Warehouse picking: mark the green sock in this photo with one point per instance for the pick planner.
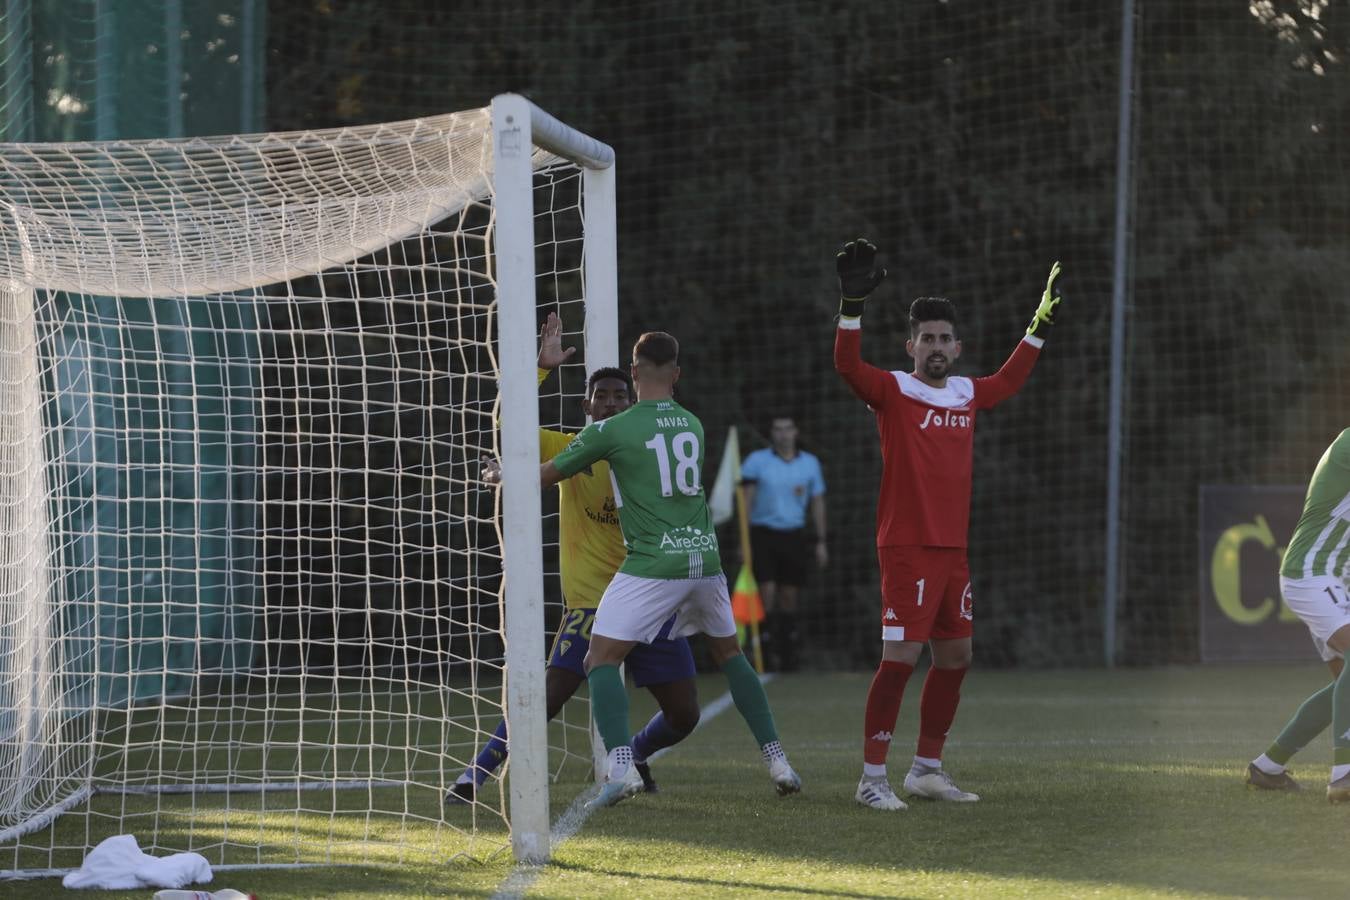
(609, 705)
(751, 701)
(1311, 719)
(1340, 719)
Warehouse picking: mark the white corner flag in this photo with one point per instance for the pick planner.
(722, 500)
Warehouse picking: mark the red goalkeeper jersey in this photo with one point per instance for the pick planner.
(927, 440)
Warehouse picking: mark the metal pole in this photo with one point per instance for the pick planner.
(249, 62)
(600, 214)
(522, 531)
(105, 71)
(1119, 287)
(173, 67)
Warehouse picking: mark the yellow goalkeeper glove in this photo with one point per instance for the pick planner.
(1045, 313)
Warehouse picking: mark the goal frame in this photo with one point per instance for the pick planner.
(517, 126)
(523, 141)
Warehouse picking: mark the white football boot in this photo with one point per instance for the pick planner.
(621, 781)
(785, 780)
(937, 785)
(1338, 791)
(877, 793)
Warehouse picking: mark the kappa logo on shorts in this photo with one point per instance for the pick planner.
(890, 615)
(967, 604)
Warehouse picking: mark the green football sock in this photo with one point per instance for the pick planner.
(609, 705)
(1311, 720)
(751, 701)
(1340, 719)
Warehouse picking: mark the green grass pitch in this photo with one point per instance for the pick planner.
(1095, 783)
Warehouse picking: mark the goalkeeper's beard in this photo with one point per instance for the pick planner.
(937, 366)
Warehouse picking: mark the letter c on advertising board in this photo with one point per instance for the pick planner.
(1226, 575)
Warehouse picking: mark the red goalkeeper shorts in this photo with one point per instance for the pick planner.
(925, 593)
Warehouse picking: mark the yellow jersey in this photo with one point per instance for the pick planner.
(590, 543)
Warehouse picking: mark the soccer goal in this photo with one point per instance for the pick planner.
(256, 601)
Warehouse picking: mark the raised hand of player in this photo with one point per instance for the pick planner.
(551, 352)
(859, 273)
(1045, 313)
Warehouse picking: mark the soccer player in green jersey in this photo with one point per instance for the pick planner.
(1313, 585)
(655, 455)
(592, 550)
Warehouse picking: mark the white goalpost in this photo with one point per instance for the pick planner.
(255, 601)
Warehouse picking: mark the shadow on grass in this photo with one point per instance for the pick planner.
(741, 888)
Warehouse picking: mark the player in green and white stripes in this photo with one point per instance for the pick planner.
(1313, 584)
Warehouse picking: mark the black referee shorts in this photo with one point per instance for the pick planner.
(781, 557)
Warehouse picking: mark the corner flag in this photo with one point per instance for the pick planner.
(722, 500)
(746, 606)
(726, 500)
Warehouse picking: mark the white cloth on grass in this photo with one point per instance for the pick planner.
(118, 864)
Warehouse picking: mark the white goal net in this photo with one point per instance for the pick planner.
(252, 600)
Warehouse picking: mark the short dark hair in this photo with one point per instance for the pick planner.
(608, 372)
(657, 348)
(931, 309)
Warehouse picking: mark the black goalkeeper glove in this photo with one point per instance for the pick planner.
(859, 275)
(1045, 313)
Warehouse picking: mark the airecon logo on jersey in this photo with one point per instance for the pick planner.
(687, 539)
(948, 418)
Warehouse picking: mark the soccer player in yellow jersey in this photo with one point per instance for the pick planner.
(591, 551)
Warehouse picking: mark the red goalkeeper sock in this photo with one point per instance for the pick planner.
(937, 709)
(883, 708)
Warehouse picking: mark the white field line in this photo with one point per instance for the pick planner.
(1034, 743)
(1064, 701)
(523, 876)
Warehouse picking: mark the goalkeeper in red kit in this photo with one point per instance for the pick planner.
(926, 419)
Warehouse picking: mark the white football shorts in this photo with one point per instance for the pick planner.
(634, 609)
(1323, 603)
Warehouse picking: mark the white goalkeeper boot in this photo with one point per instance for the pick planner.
(936, 784)
(877, 793)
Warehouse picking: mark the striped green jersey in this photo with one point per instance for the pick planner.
(1321, 543)
(655, 454)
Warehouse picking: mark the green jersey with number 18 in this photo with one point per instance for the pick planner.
(655, 454)
(1321, 542)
